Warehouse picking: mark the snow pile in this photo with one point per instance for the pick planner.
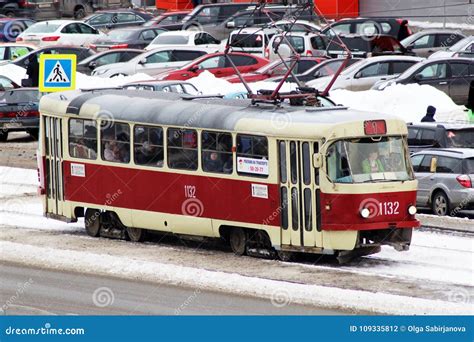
(13, 72)
(408, 102)
(91, 82)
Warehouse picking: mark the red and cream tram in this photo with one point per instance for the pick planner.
(286, 179)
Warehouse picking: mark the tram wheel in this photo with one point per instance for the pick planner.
(136, 234)
(238, 241)
(92, 222)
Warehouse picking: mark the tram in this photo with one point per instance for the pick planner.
(264, 178)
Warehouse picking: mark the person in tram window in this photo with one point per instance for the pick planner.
(213, 163)
(111, 151)
(372, 164)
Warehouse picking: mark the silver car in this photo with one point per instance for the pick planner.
(445, 180)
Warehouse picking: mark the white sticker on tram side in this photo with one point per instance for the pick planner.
(251, 165)
(78, 170)
(260, 191)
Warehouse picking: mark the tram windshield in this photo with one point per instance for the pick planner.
(368, 160)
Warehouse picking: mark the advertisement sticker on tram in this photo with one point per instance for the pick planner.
(251, 165)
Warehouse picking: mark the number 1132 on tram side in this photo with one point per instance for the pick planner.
(264, 178)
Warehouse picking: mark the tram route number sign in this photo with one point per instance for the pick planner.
(57, 72)
(251, 165)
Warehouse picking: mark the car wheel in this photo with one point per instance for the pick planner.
(33, 133)
(10, 14)
(3, 136)
(79, 13)
(440, 204)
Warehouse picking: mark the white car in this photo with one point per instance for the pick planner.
(303, 43)
(186, 38)
(65, 32)
(463, 48)
(252, 40)
(297, 26)
(152, 62)
(365, 73)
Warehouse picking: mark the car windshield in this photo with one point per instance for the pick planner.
(120, 34)
(364, 160)
(470, 165)
(461, 138)
(460, 45)
(247, 40)
(170, 40)
(43, 27)
(270, 66)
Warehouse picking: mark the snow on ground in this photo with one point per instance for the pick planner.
(408, 102)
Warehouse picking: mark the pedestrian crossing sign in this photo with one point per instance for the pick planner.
(57, 72)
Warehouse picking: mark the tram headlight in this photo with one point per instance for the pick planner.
(412, 210)
(365, 213)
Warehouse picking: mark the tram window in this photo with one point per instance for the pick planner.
(82, 139)
(216, 152)
(115, 142)
(283, 173)
(294, 209)
(252, 155)
(308, 213)
(182, 149)
(284, 207)
(148, 146)
(293, 162)
(306, 164)
(316, 169)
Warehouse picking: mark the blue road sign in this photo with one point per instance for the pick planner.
(57, 72)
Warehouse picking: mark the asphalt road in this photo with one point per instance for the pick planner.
(33, 291)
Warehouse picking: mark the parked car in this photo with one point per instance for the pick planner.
(445, 180)
(217, 64)
(105, 58)
(52, 32)
(11, 51)
(297, 26)
(37, 10)
(366, 46)
(463, 48)
(208, 14)
(19, 112)
(112, 19)
(424, 43)
(255, 18)
(7, 84)
(185, 38)
(326, 67)
(252, 40)
(131, 38)
(80, 52)
(166, 86)
(167, 18)
(450, 75)
(397, 28)
(276, 68)
(10, 28)
(425, 135)
(365, 73)
(303, 43)
(80, 8)
(152, 62)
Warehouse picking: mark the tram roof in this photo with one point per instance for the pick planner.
(160, 108)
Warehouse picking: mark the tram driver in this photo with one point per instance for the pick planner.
(372, 163)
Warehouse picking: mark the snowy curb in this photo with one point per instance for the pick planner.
(277, 291)
(446, 223)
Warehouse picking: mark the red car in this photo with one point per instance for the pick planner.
(276, 68)
(218, 64)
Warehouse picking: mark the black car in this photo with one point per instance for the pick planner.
(366, 46)
(396, 28)
(424, 135)
(19, 112)
(132, 38)
(325, 68)
(117, 18)
(80, 52)
(453, 76)
(106, 57)
(208, 14)
(179, 87)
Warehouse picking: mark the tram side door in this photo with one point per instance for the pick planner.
(298, 192)
(54, 165)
